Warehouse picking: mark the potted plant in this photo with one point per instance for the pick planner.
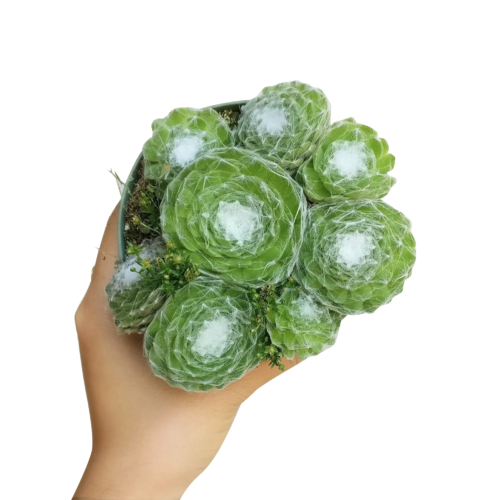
(249, 230)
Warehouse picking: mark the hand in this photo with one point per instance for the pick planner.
(150, 441)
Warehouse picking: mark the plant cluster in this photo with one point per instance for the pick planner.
(272, 230)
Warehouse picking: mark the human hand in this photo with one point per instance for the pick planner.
(149, 440)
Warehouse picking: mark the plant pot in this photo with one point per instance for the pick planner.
(133, 176)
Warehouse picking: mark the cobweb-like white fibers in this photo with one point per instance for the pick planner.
(125, 277)
(349, 159)
(214, 336)
(270, 120)
(353, 249)
(237, 222)
(306, 308)
(186, 149)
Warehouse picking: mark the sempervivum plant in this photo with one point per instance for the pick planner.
(350, 162)
(272, 230)
(356, 255)
(134, 300)
(240, 217)
(300, 325)
(205, 336)
(182, 137)
(285, 122)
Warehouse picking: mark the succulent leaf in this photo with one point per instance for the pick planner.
(351, 162)
(285, 122)
(205, 336)
(356, 255)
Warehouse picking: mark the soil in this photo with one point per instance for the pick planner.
(134, 212)
(231, 117)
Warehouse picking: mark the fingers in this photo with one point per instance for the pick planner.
(108, 253)
(93, 313)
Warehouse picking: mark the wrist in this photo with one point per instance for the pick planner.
(115, 476)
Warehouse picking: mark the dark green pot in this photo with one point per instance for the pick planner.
(132, 179)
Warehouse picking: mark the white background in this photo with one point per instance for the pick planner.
(406, 405)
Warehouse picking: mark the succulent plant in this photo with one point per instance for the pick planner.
(240, 217)
(351, 162)
(205, 336)
(134, 301)
(356, 255)
(182, 137)
(285, 122)
(245, 270)
(300, 325)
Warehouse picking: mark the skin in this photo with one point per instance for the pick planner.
(149, 440)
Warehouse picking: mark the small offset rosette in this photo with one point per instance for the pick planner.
(240, 217)
(356, 255)
(181, 138)
(285, 122)
(350, 162)
(133, 301)
(300, 325)
(205, 337)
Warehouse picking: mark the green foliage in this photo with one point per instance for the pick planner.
(149, 219)
(170, 271)
(350, 162)
(356, 255)
(271, 352)
(181, 138)
(134, 300)
(264, 300)
(240, 217)
(299, 325)
(285, 122)
(141, 284)
(214, 293)
(204, 337)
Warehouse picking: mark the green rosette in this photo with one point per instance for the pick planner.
(350, 162)
(300, 325)
(180, 138)
(285, 122)
(240, 217)
(205, 336)
(356, 255)
(134, 303)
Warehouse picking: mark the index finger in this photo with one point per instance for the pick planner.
(108, 253)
